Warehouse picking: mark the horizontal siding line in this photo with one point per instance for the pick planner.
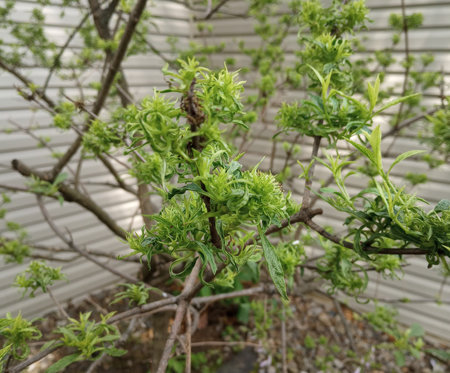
(57, 212)
(294, 32)
(5, 271)
(87, 8)
(25, 69)
(60, 86)
(87, 86)
(395, 53)
(79, 48)
(82, 223)
(223, 16)
(91, 242)
(366, 51)
(89, 275)
(71, 28)
(407, 6)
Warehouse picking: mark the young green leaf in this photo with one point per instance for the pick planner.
(319, 76)
(116, 352)
(192, 187)
(373, 91)
(273, 264)
(63, 363)
(375, 143)
(403, 156)
(366, 152)
(395, 102)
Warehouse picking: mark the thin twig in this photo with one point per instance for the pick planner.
(185, 298)
(122, 339)
(28, 83)
(116, 175)
(283, 340)
(408, 122)
(188, 343)
(72, 195)
(234, 294)
(57, 59)
(71, 244)
(53, 258)
(345, 323)
(408, 64)
(368, 250)
(61, 309)
(107, 82)
(224, 344)
(13, 188)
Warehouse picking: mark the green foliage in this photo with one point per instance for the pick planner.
(273, 264)
(333, 114)
(404, 342)
(63, 118)
(338, 266)
(411, 21)
(4, 352)
(156, 170)
(291, 255)
(206, 362)
(45, 188)
(415, 178)
(236, 199)
(443, 355)
(14, 251)
(212, 206)
(16, 332)
(100, 138)
(389, 212)
(439, 136)
(157, 122)
(90, 339)
(136, 294)
(38, 275)
(384, 58)
(262, 313)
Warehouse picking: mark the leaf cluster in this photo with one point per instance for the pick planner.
(17, 332)
(90, 339)
(215, 194)
(135, 293)
(338, 18)
(404, 342)
(14, 250)
(38, 275)
(388, 211)
(46, 188)
(438, 136)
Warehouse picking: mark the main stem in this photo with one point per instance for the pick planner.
(185, 299)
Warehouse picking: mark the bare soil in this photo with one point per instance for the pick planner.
(316, 340)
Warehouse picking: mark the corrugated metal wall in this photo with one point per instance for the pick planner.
(418, 282)
(143, 74)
